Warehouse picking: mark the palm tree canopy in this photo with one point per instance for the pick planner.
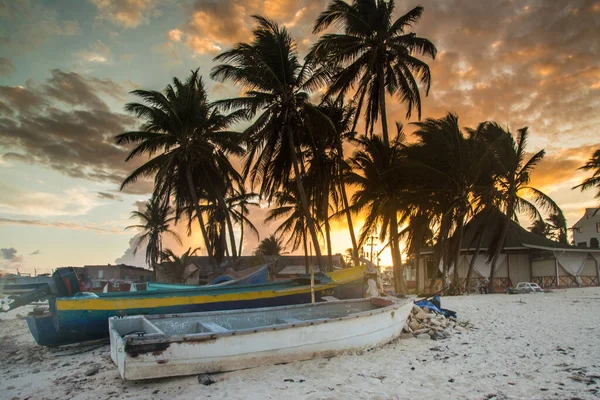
(182, 131)
(593, 164)
(377, 174)
(277, 88)
(155, 221)
(270, 246)
(373, 47)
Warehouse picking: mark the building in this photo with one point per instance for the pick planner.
(586, 231)
(526, 257)
(116, 272)
(281, 267)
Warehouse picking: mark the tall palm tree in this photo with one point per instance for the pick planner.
(155, 221)
(270, 246)
(187, 142)
(277, 89)
(377, 173)
(513, 182)
(593, 181)
(373, 55)
(175, 266)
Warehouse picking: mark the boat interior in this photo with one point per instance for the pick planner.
(236, 320)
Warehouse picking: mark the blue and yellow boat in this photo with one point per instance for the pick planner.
(84, 316)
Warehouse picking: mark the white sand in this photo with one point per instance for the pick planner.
(524, 347)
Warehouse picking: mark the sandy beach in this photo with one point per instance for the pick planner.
(533, 346)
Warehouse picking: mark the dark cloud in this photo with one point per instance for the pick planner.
(35, 253)
(8, 254)
(6, 67)
(66, 125)
(109, 196)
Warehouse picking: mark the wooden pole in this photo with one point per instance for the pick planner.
(312, 279)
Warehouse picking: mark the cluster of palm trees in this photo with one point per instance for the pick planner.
(292, 152)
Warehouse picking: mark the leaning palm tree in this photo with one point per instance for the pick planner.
(277, 89)
(593, 181)
(187, 143)
(270, 246)
(155, 221)
(377, 173)
(513, 182)
(373, 55)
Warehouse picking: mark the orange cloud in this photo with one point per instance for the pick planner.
(126, 13)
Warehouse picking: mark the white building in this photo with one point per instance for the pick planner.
(587, 228)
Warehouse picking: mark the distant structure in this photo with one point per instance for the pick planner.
(116, 272)
(587, 229)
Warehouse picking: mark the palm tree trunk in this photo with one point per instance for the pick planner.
(327, 234)
(396, 257)
(345, 204)
(305, 244)
(241, 235)
(440, 249)
(420, 280)
(304, 200)
(499, 248)
(384, 125)
(472, 263)
(223, 206)
(459, 238)
(209, 248)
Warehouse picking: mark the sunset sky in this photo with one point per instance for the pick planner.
(66, 68)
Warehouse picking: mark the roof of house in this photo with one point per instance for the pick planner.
(487, 226)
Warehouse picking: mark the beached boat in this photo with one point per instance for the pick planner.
(158, 346)
(18, 284)
(84, 316)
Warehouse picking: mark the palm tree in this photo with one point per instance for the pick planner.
(512, 182)
(287, 205)
(154, 222)
(455, 168)
(277, 87)
(593, 181)
(238, 205)
(373, 55)
(187, 143)
(539, 227)
(175, 267)
(377, 173)
(270, 246)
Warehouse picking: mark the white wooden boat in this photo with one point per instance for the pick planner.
(154, 346)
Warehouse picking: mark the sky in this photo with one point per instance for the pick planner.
(67, 67)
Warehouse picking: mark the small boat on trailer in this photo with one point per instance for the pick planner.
(155, 346)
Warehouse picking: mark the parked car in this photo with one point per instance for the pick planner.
(525, 287)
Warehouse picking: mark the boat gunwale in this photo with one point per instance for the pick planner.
(133, 341)
(223, 291)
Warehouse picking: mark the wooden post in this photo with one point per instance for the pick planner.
(556, 268)
(508, 268)
(312, 279)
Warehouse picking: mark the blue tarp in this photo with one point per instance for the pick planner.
(435, 305)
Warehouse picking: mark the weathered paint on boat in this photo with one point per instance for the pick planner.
(85, 316)
(145, 347)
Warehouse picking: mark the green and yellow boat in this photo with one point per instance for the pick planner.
(84, 316)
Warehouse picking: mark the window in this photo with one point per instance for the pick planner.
(598, 227)
(100, 274)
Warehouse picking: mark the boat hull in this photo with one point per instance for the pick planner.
(84, 318)
(196, 354)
